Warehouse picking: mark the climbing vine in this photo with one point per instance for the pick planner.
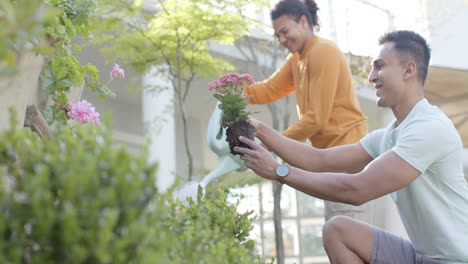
(51, 28)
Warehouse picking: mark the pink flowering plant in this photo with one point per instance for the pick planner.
(116, 72)
(229, 91)
(83, 112)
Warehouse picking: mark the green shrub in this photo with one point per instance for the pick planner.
(78, 199)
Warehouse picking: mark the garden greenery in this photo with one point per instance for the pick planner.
(76, 198)
(51, 28)
(173, 40)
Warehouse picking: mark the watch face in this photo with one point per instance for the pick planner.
(282, 170)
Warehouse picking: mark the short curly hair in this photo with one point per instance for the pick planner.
(297, 9)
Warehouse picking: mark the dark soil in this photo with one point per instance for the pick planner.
(241, 128)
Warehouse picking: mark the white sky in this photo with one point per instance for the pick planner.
(359, 24)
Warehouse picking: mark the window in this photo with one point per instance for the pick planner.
(302, 222)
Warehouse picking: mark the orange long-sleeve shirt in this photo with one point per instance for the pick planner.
(329, 112)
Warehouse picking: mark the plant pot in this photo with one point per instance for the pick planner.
(234, 131)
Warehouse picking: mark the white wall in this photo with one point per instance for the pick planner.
(447, 21)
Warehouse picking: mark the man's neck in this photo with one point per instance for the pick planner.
(402, 110)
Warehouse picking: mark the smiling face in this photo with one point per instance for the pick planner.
(388, 75)
(291, 34)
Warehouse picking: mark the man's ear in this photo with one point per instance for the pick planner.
(410, 69)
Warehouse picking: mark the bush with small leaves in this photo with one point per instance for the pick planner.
(77, 198)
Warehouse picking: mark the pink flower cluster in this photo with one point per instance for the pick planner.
(231, 82)
(117, 71)
(83, 112)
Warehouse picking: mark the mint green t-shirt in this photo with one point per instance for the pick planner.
(434, 207)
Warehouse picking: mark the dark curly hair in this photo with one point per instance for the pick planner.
(297, 9)
(411, 46)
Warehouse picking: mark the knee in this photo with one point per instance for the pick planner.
(334, 229)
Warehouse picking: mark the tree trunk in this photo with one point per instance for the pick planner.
(277, 218)
(186, 139)
(22, 88)
(178, 90)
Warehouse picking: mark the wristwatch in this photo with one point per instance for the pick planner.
(281, 172)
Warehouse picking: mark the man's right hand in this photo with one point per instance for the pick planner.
(258, 159)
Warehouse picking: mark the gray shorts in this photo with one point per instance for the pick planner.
(391, 249)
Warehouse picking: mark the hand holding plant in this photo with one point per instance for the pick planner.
(229, 92)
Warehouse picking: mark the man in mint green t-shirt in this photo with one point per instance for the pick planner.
(417, 159)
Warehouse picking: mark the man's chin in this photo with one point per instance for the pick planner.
(380, 103)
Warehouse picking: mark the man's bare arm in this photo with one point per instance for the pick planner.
(349, 158)
(383, 175)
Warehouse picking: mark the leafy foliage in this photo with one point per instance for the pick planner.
(63, 69)
(175, 33)
(22, 25)
(78, 199)
(49, 28)
(234, 106)
(173, 37)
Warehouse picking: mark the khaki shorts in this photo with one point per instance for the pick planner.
(391, 249)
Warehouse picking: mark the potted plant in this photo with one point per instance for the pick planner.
(228, 90)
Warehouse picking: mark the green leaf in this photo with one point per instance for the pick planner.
(48, 80)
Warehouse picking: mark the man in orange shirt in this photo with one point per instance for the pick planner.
(329, 112)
